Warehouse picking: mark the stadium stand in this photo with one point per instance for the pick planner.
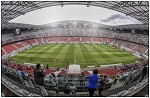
(9, 48)
(138, 38)
(39, 40)
(133, 46)
(121, 36)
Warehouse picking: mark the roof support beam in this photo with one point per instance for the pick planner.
(11, 12)
(129, 4)
(135, 9)
(137, 12)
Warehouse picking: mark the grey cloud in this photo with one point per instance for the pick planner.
(114, 17)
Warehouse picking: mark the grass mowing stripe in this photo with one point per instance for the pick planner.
(69, 58)
(121, 53)
(41, 52)
(36, 56)
(89, 58)
(79, 54)
(39, 49)
(121, 57)
(48, 58)
(110, 55)
(101, 54)
(84, 52)
(62, 53)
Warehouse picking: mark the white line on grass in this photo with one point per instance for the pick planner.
(74, 56)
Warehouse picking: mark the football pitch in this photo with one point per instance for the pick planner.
(59, 55)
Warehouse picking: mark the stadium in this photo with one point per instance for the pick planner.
(69, 51)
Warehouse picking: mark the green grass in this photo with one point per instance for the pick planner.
(57, 55)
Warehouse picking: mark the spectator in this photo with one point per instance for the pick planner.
(102, 85)
(128, 78)
(72, 89)
(56, 89)
(39, 75)
(18, 66)
(92, 84)
(27, 68)
(144, 72)
(116, 78)
(53, 75)
(39, 79)
(32, 79)
(57, 69)
(22, 73)
(56, 80)
(81, 79)
(66, 89)
(47, 66)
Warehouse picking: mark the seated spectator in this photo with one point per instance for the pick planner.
(116, 78)
(72, 89)
(27, 68)
(47, 67)
(56, 89)
(22, 73)
(57, 69)
(54, 79)
(66, 89)
(32, 79)
(129, 78)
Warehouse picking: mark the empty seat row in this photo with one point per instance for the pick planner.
(18, 90)
(130, 90)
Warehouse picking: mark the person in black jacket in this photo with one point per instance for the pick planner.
(39, 75)
(39, 79)
(144, 72)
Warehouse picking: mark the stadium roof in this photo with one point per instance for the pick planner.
(70, 24)
(19, 25)
(131, 26)
(136, 9)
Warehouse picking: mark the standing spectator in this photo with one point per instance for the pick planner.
(102, 85)
(39, 79)
(39, 75)
(81, 79)
(144, 72)
(92, 84)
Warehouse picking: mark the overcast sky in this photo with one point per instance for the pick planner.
(75, 12)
